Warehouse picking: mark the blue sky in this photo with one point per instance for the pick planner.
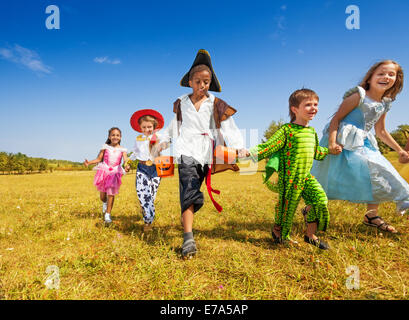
(61, 90)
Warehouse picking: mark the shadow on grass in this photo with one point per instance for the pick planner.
(350, 231)
(232, 230)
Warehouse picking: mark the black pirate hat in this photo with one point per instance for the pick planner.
(203, 57)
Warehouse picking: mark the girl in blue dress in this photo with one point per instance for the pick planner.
(360, 173)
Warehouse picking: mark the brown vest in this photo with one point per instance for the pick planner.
(221, 112)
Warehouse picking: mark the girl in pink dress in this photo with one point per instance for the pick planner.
(109, 171)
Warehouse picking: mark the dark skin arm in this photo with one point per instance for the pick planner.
(97, 160)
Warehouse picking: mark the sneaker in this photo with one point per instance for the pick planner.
(189, 248)
(107, 218)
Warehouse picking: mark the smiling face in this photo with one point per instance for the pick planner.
(147, 127)
(383, 78)
(306, 111)
(200, 83)
(115, 137)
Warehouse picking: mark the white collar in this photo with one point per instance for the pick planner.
(186, 96)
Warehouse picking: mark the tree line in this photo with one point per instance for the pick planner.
(18, 163)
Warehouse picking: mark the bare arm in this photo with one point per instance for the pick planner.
(349, 104)
(125, 156)
(126, 160)
(97, 160)
(169, 133)
(384, 135)
(402, 158)
(386, 138)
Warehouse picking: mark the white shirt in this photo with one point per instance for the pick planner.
(141, 148)
(195, 136)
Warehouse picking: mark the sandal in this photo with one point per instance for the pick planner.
(277, 239)
(383, 226)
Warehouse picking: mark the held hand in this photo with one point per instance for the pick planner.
(86, 163)
(162, 146)
(334, 148)
(403, 157)
(127, 168)
(243, 153)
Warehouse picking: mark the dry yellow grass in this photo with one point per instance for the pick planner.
(55, 219)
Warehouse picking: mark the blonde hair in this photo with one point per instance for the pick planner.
(397, 86)
(148, 118)
(299, 96)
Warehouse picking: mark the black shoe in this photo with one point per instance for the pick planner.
(318, 243)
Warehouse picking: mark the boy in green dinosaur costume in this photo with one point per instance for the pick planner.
(293, 148)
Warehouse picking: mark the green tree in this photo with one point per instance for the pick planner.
(272, 128)
(9, 164)
(43, 165)
(3, 161)
(19, 163)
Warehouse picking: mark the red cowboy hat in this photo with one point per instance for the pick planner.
(146, 112)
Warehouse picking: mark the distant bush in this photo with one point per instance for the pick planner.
(19, 163)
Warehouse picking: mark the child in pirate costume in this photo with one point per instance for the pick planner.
(146, 121)
(294, 147)
(201, 122)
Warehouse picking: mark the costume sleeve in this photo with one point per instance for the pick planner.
(232, 134)
(135, 151)
(320, 152)
(265, 150)
(170, 132)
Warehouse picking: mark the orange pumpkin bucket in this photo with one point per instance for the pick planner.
(225, 155)
(164, 166)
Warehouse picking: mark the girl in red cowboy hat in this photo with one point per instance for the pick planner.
(109, 171)
(146, 121)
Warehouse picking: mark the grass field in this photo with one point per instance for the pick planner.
(55, 219)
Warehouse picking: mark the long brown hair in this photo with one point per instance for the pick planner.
(109, 133)
(397, 86)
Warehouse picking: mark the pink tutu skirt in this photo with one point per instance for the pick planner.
(108, 179)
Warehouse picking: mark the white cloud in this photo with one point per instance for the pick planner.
(280, 22)
(25, 57)
(283, 7)
(106, 60)
(300, 51)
